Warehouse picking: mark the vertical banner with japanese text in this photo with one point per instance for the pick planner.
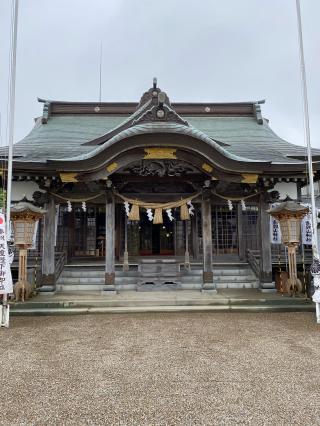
(275, 231)
(5, 271)
(306, 230)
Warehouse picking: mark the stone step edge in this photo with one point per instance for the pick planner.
(111, 303)
(145, 309)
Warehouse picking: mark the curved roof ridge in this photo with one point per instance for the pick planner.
(290, 144)
(158, 127)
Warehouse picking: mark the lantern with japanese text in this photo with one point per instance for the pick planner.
(24, 216)
(289, 214)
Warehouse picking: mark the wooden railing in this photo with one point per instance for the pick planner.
(279, 255)
(60, 261)
(253, 260)
(34, 263)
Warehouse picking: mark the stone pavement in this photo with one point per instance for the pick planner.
(202, 368)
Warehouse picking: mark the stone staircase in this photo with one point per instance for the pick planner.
(236, 275)
(91, 278)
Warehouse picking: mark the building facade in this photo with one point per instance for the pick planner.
(156, 190)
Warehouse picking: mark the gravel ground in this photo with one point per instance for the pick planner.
(161, 369)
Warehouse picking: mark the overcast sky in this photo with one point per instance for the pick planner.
(200, 50)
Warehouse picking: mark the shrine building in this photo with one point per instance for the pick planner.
(156, 194)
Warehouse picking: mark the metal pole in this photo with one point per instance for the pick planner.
(13, 57)
(316, 274)
(11, 110)
(307, 131)
(100, 73)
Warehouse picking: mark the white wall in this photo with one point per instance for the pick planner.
(286, 188)
(306, 190)
(22, 189)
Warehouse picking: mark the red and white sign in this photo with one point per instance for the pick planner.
(5, 271)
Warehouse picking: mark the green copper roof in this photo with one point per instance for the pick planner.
(64, 136)
(247, 138)
(158, 127)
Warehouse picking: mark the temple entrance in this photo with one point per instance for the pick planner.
(156, 239)
(224, 231)
(81, 232)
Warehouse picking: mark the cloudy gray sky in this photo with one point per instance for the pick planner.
(205, 50)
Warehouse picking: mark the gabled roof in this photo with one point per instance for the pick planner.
(71, 130)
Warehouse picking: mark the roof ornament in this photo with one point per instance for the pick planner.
(161, 99)
(155, 81)
(46, 113)
(258, 113)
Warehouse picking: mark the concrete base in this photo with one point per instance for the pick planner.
(268, 287)
(108, 292)
(4, 316)
(179, 301)
(209, 290)
(46, 290)
(159, 287)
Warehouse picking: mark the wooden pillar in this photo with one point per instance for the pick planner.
(118, 232)
(179, 238)
(110, 245)
(125, 253)
(299, 194)
(208, 284)
(241, 241)
(266, 283)
(48, 258)
(186, 253)
(71, 239)
(195, 237)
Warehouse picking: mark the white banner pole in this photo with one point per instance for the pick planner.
(14, 32)
(315, 253)
(6, 285)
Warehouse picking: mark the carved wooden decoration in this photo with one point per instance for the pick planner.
(161, 168)
(160, 114)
